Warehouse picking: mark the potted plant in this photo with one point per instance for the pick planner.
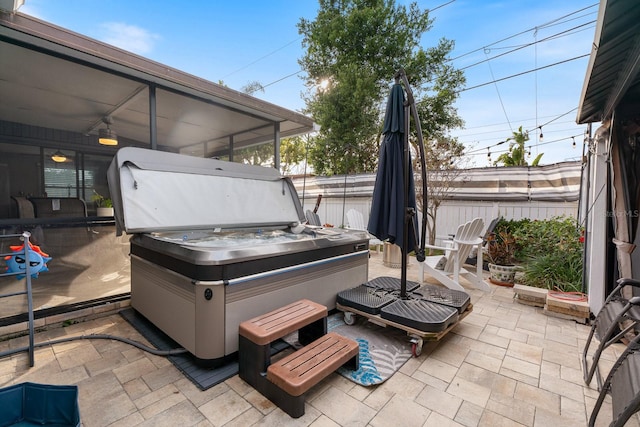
(104, 206)
(501, 251)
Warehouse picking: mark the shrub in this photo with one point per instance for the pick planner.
(501, 248)
(550, 252)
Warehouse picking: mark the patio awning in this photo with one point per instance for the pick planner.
(612, 76)
(53, 78)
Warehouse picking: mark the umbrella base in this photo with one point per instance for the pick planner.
(365, 299)
(390, 284)
(428, 308)
(373, 295)
(450, 297)
(422, 315)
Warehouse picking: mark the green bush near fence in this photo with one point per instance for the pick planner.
(549, 251)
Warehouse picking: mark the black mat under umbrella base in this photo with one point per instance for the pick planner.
(390, 284)
(459, 300)
(364, 298)
(421, 315)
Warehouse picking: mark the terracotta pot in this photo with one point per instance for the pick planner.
(503, 275)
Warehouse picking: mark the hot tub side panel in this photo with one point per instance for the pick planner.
(175, 305)
(317, 281)
(204, 316)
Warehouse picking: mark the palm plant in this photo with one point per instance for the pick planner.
(517, 151)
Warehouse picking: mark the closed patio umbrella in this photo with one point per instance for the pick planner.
(394, 198)
(386, 221)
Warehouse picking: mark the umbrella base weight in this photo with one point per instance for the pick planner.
(421, 315)
(390, 284)
(426, 312)
(373, 295)
(449, 297)
(411, 332)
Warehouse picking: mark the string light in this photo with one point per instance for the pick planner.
(488, 155)
(574, 141)
(528, 151)
(541, 136)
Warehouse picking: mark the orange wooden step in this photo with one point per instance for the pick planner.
(299, 371)
(278, 323)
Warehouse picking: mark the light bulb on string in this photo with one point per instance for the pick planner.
(528, 151)
(488, 155)
(574, 141)
(541, 136)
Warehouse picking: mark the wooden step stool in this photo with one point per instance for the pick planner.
(285, 381)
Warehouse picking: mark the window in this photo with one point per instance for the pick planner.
(60, 178)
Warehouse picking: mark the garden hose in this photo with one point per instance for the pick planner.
(134, 343)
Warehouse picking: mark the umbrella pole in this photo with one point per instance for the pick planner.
(405, 219)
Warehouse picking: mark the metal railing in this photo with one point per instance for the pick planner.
(24, 237)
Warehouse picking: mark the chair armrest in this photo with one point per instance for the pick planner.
(621, 283)
(474, 242)
(628, 281)
(634, 301)
(442, 248)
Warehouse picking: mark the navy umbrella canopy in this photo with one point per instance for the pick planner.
(388, 206)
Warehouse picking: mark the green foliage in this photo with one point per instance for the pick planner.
(101, 201)
(501, 248)
(356, 46)
(292, 151)
(550, 252)
(516, 156)
(555, 271)
(255, 155)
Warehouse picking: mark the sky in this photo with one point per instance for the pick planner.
(525, 61)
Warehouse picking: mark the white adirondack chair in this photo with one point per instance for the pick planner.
(447, 269)
(355, 221)
(313, 218)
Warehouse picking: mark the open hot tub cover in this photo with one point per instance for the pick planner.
(157, 191)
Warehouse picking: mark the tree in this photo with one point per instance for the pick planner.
(255, 155)
(356, 47)
(252, 87)
(444, 155)
(445, 166)
(516, 156)
(292, 151)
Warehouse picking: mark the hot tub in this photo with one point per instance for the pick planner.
(215, 243)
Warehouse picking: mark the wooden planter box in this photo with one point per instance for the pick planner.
(553, 305)
(568, 309)
(529, 295)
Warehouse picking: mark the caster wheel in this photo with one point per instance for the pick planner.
(416, 347)
(349, 318)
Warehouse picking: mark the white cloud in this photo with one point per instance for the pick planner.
(128, 37)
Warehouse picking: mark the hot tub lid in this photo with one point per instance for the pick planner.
(156, 191)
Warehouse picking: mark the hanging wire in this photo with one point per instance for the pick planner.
(529, 29)
(527, 131)
(486, 51)
(535, 81)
